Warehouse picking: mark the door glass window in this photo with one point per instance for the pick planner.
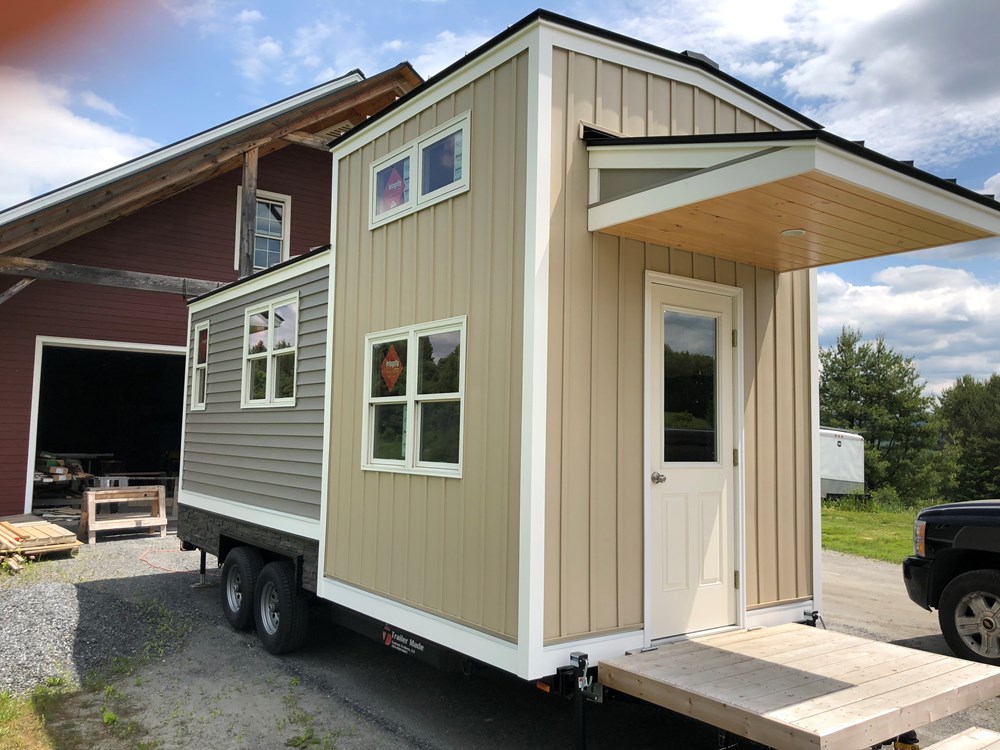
(690, 373)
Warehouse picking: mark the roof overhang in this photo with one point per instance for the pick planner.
(781, 200)
(41, 223)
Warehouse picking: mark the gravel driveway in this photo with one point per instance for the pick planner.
(123, 620)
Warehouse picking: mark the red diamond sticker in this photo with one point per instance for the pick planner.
(392, 368)
(392, 194)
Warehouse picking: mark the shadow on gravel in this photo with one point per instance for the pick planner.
(157, 657)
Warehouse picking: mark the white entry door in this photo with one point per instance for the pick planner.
(691, 483)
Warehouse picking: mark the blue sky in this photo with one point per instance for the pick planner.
(915, 79)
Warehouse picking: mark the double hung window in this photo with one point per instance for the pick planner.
(271, 229)
(415, 379)
(424, 171)
(270, 353)
(199, 371)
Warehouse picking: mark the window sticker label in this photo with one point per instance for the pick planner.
(391, 368)
(392, 193)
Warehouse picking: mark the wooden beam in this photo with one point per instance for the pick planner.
(307, 139)
(27, 235)
(20, 286)
(248, 212)
(147, 282)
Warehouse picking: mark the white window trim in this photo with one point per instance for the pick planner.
(410, 463)
(201, 368)
(286, 224)
(269, 401)
(413, 150)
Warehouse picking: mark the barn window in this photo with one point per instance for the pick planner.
(272, 228)
(270, 353)
(415, 381)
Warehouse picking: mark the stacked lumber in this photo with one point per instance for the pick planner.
(34, 537)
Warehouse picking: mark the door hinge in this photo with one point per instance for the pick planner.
(736, 579)
(735, 339)
(736, 456)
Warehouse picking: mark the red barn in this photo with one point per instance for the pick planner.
(94, 277)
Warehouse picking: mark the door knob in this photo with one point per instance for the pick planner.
(658, 478)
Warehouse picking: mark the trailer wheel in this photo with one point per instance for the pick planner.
(239, 579)
(281, 610)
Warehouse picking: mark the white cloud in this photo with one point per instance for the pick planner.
(249, 16)
(446, 48)
(198, 11)
(916, 79)
(945, 318)
(992, 186)
(95, 102)
(67, 148)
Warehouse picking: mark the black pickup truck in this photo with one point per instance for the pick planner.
(955, 568)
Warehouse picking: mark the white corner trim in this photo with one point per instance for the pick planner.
(269, 518)
(324, 489)
(534, 375)
(817, 517)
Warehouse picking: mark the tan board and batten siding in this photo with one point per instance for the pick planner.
(271, 458)
(594, 456)
(447, 546)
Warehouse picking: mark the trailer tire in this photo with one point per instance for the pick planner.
(239, 581)
(281, 610)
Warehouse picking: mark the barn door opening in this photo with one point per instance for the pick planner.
(113, 413)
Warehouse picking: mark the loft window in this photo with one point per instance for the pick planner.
(415, 380)
(272, 228)
(424, 171)
(199, 372)
(270, 353)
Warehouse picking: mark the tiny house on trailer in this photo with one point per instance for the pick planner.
(552, 388)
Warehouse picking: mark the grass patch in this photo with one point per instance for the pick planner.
(20, 727)
(58, 714)
(885, 535)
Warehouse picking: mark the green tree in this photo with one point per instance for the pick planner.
(970, 413)
(867, 387)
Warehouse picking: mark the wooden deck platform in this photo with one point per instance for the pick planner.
(795, 686)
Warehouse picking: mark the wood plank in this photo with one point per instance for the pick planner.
(973, 738)
(831, 691)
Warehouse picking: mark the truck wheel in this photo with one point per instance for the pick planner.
(281, 610)
(969, 613)
(239, 579)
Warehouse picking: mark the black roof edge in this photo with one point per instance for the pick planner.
(598, 139)
(571, 23)
(313, 251)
